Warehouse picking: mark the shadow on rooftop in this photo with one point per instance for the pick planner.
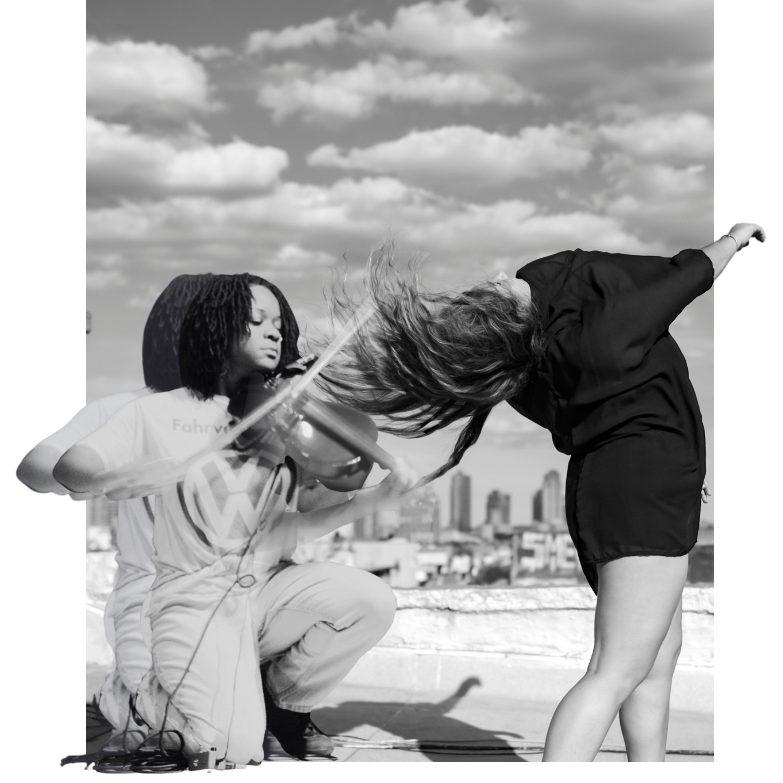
(425, 727)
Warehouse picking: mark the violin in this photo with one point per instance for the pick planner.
(332, 441)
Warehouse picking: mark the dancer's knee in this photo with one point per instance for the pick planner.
(668, 656)
(620, 678)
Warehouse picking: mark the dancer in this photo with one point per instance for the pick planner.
(226, 596)
(123, 617)
(579, 343)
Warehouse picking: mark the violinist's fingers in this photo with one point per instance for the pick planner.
(402, 475)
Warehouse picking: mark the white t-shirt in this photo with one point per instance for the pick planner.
(135, 515)
(223, 501)
(90, 417)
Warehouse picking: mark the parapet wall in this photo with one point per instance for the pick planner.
(554, 622)
(535, 640)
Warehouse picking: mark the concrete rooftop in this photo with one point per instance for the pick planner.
(474, 675)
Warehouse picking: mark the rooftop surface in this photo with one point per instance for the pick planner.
(406, 720)
(399, 725)
(475, 675)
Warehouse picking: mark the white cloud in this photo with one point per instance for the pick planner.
(467, 155)
(447, 29)
(652, 183)
(661, 86)
(346, 208)
(480, 233)
(121, 162)
(317, 93)
(682, 136)
(352, 216)
(430, 30)
(295, 261)
(211, 53)
(324, 32)
(145, 79)
(673, 204)
(99, 279)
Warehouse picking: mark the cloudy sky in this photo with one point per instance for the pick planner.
(285, 138)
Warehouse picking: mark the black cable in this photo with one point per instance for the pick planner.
(150, 756)
(478, 747)
(241, 582)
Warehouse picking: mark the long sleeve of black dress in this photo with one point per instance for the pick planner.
(610, 365)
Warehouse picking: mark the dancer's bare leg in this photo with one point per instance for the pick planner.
(637, 600)
(644, 716)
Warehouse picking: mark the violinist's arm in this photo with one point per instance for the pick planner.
(35, 470)
(320, 521)
(79, 470)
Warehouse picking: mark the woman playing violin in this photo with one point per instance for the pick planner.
(227, 597)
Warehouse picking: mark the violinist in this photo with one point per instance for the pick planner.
(123, 618)
(227, 600)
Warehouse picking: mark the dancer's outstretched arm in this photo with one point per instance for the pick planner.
(722, 250)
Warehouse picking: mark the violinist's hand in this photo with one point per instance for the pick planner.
(320, 521)
(399, 480)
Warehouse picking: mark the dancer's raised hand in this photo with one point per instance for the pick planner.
(742, 233)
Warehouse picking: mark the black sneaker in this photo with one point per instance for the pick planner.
(294, 734)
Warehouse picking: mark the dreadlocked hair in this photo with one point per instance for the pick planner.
(160, 341)
(424, 360)
(217, 321)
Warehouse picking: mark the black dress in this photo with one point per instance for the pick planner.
(613, 389)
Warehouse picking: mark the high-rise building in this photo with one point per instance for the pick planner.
(419, 514)
(498, 509)
(366, 528)
(377, 525)
(538, 511)
(460, 502)
(552, 499)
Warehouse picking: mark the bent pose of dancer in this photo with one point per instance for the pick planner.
(226, 596)
(123, 619)
(579, 343)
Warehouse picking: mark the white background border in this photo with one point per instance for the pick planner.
(44, 370)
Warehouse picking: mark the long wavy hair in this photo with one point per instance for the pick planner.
(160, 341)
(425, 360)
(217, 320)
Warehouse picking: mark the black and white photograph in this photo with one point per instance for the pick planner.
(403, 390)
